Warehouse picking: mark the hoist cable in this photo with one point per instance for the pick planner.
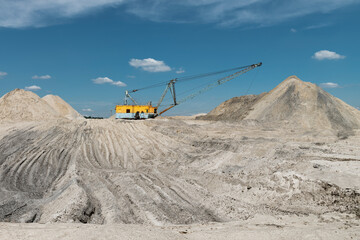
(191, 77)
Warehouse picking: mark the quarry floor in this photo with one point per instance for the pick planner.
(177, 179)
(261, 227)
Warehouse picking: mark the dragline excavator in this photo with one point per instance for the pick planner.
(137, 111)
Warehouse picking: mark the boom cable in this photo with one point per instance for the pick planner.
(170, 85)
(191, 77)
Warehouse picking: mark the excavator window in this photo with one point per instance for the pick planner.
(155, 110)
(127, 110)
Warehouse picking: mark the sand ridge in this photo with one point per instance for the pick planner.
(62, 107)
(305, 105)
(294, 104)
(181, 171)
(21, 105)
(170, 172)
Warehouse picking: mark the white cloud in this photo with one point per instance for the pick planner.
(39, 13)
(87, 110)
(131, 76)
(41, 77)
(329, 85)
(102, 80)
(180, 70)
(327, 55)
(311, 27)
(232, 13)
(119, 84)
(316, 26)
(149, 65)
(33, 88)
(3, 74)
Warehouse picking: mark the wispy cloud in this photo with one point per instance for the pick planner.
(150, 65)
(103, 80)
(131, 76)
(311, 27)
(41, 77)
(329, 85)
(87, 110)
(317, 26)
(3, 74)
(38, 13)
(33, 88)
(327, 55)
(180, 70)
(119, 84)
(232, 13)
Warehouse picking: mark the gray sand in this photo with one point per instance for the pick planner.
(173, 178)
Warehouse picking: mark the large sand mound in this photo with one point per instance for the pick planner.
(234, 109)
(62, 107)
(21, 105)
(169, 172)
(305, 105)
(294, 103)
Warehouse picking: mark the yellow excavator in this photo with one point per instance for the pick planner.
(137, 111)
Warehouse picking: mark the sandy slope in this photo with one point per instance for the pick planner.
(234, 109)
(305, 105)
(261, 227)
(62, 107)
(293, 104)
(216, 179)
(21, 105)
(172, 172)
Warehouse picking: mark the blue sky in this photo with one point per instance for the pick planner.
(90, 52)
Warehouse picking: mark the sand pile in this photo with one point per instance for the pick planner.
(305, 105)
(234, 109)
(62, 107)
(294, 103)
(21, 105)
(170, 172)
